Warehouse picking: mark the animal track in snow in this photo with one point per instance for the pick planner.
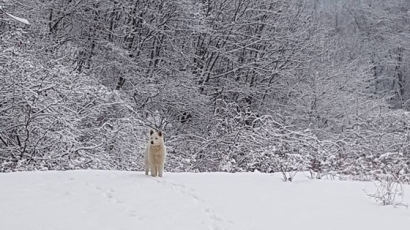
(109, 194)
(216, 221)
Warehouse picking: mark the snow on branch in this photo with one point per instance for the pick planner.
(22, 20)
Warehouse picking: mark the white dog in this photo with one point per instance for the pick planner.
(155, 154)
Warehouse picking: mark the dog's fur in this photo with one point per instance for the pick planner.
(155, 154)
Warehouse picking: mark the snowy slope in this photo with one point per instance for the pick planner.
(113, 200)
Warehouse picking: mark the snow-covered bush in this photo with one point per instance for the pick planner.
(389, 191)
(54, 118)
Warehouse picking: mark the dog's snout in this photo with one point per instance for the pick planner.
(152, 142)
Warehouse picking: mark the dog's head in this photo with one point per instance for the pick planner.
(156, 138)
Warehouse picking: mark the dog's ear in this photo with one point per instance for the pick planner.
(160, 133)
(151, 132)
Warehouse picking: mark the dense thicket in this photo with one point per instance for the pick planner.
(236, 85)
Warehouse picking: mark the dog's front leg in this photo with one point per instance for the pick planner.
(146, 161)
(154, 170)
(147, 166)
(160, 170)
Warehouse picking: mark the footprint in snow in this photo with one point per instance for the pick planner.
(216, 221)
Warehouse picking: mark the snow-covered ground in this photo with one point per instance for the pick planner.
(113, 200)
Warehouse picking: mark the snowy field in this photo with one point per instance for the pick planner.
(113, 200)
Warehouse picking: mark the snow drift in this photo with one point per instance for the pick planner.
(75, 200)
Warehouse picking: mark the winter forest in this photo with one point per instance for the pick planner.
(235, 85)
